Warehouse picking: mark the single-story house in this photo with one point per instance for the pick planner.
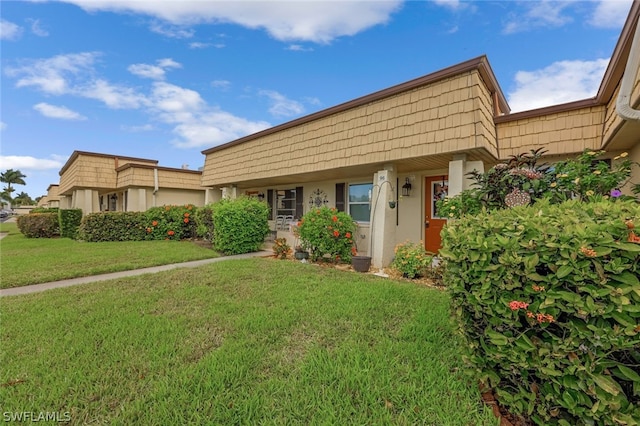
(52, 199)
(97, 182)
(414, 142)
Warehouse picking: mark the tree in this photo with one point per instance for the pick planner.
(12, 177)
(23, 199)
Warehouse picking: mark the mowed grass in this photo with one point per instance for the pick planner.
(25, 261)
(257, 341)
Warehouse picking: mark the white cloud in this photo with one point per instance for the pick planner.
(610, 13)
(194, 121)
(199, 45)
(9, 30)
(316, 21)
(60, 112)
(37, 29)
(281, 106)
(545, 13)
(560, 82)
(299, 48)
(136, 129)
(51, 75)
(154, 72)
(221, 84)
(171, 31)
(215, 128)
(3, 125)
(114, 96)
(23, 162)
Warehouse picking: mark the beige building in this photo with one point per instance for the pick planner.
(414, 142)
(101, 182)
(52, 199)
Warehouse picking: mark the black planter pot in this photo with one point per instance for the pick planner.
(361, 263)
(299, 255)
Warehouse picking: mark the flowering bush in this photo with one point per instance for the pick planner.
(411, 259)
(281, 248)
(467, 202)
(328, 233)
(547, 298)
(521, 181)
(170, 222)
(586, 177)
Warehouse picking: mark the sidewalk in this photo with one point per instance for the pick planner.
(152, 270)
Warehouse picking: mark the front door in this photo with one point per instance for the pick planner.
(436, 188)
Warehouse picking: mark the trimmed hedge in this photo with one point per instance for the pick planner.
(113, 226)
(70, 220)
(204, 222)
(548, 298)
(39, 225)
(240, 225)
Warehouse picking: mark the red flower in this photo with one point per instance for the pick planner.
(515, 305)
(336, 233)
(170, 232)
(148, 229)
(187, 214)
(154, 223)
(334, 218)
(348, 235)
(186, 220)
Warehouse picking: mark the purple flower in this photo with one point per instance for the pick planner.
(615, 193)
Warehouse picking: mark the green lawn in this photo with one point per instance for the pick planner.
(256, 341)
(25, 261)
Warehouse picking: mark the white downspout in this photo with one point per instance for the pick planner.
(623, 102)
(155, 186)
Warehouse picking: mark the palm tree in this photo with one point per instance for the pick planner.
(12, 177)
(23, 199)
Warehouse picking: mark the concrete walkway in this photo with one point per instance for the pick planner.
(152, 270)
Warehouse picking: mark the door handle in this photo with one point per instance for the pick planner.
(426, 223)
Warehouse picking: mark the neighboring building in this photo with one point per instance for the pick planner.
(421, 138)
(52, 199)
(101, 182)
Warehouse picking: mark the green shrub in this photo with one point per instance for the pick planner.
(39, 225)
(411, 259)
(548, 298)
(70, 220)
(113, 226)
(328, 233)
(170, 222)
(240, 225)
(204, 222)
(44, 210)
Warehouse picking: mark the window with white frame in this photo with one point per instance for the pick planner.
(359, 206)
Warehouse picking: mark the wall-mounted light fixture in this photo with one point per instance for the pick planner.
(406, 188)
(261, 196)
(114, 197)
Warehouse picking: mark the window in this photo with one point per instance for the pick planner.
(359, 207)
(285, 202)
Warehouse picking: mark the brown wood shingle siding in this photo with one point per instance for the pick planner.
(433, 119)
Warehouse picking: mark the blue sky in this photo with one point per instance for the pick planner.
(165, 80)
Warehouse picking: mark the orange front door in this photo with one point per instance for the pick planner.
(436, 188)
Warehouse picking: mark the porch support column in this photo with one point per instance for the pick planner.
(383, 218)
(456, 174)
(211, 195)
(230, 192)
(458, 169)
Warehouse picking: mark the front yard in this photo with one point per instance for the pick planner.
(256, 341)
